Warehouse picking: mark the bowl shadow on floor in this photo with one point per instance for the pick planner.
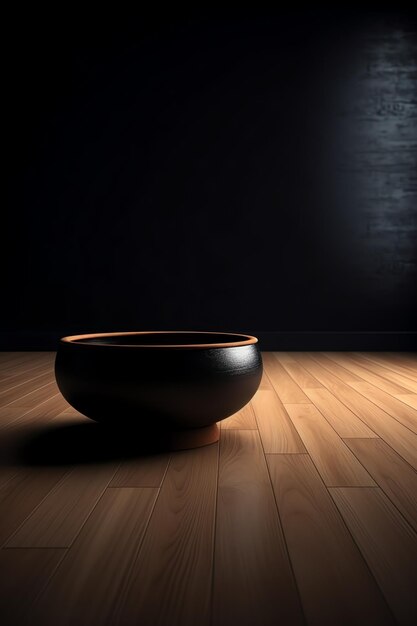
(84, 442)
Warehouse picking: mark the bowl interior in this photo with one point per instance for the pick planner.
(186, 339)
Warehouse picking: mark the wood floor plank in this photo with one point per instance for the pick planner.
(333, 459)
(393, 362)
(12, 417)
(388, 544)
(7, 473)
(265, 382)
(342, 419)
(9, 357)
(323, 358)
(88, 584)
(253, 581)
(23, 575)
(407, 361)
(395, 434)
(395, 477)
(297, 372)
(22, 356)
(170, 582)
(243, 419)
(389, 371)
(365, 374)
(207, 565)
(410, 399)
(335, 584)
(21, 364)
(10, 414)
(277, 432)
(144, 471)
(70, 411)
(36, 396)
(284, 385)
(58, 519)
(13, 382)
(394, 407)
(23, 493)
(17, 396)
(24, 441)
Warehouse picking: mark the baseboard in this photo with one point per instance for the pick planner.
(269, 340)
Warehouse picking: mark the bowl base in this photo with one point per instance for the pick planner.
(193, 437)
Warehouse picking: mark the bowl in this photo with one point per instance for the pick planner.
(177, 384)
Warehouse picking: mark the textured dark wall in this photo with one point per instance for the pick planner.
(253, 172)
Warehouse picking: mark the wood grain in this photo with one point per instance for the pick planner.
(8, 360)
(395, 477)
(265, 382)
(410, 399)
(334, 582)
(58, 519)
(14, 364)
(23, 378)
(243, 419)
(333, 459)
(7, 473)
(389, 371)
(406, 415)
(395, 434)
(284, 385)
(407, 360)
(36, 396)
(253, 581)
(190, 538)
(170, 582)
(277, 432)
(23, 575)
(23, 493)
(87, 586)
(18, 395)
(144, 471)
(342, 419)
(14, 418)
(334, 368)
(297, 372)
(381, 382)
(393, 362)
(388, 544)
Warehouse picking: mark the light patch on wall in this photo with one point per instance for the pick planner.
(380, 157)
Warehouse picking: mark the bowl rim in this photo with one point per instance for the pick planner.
(80, 339)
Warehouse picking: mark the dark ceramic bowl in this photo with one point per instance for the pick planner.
(165, 380)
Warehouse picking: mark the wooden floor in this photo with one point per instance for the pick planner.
(304, 513)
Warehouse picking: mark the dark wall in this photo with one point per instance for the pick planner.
(245, 172)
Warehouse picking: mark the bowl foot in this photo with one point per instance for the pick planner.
(193, 437)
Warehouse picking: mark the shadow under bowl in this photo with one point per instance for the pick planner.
(184, 382)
